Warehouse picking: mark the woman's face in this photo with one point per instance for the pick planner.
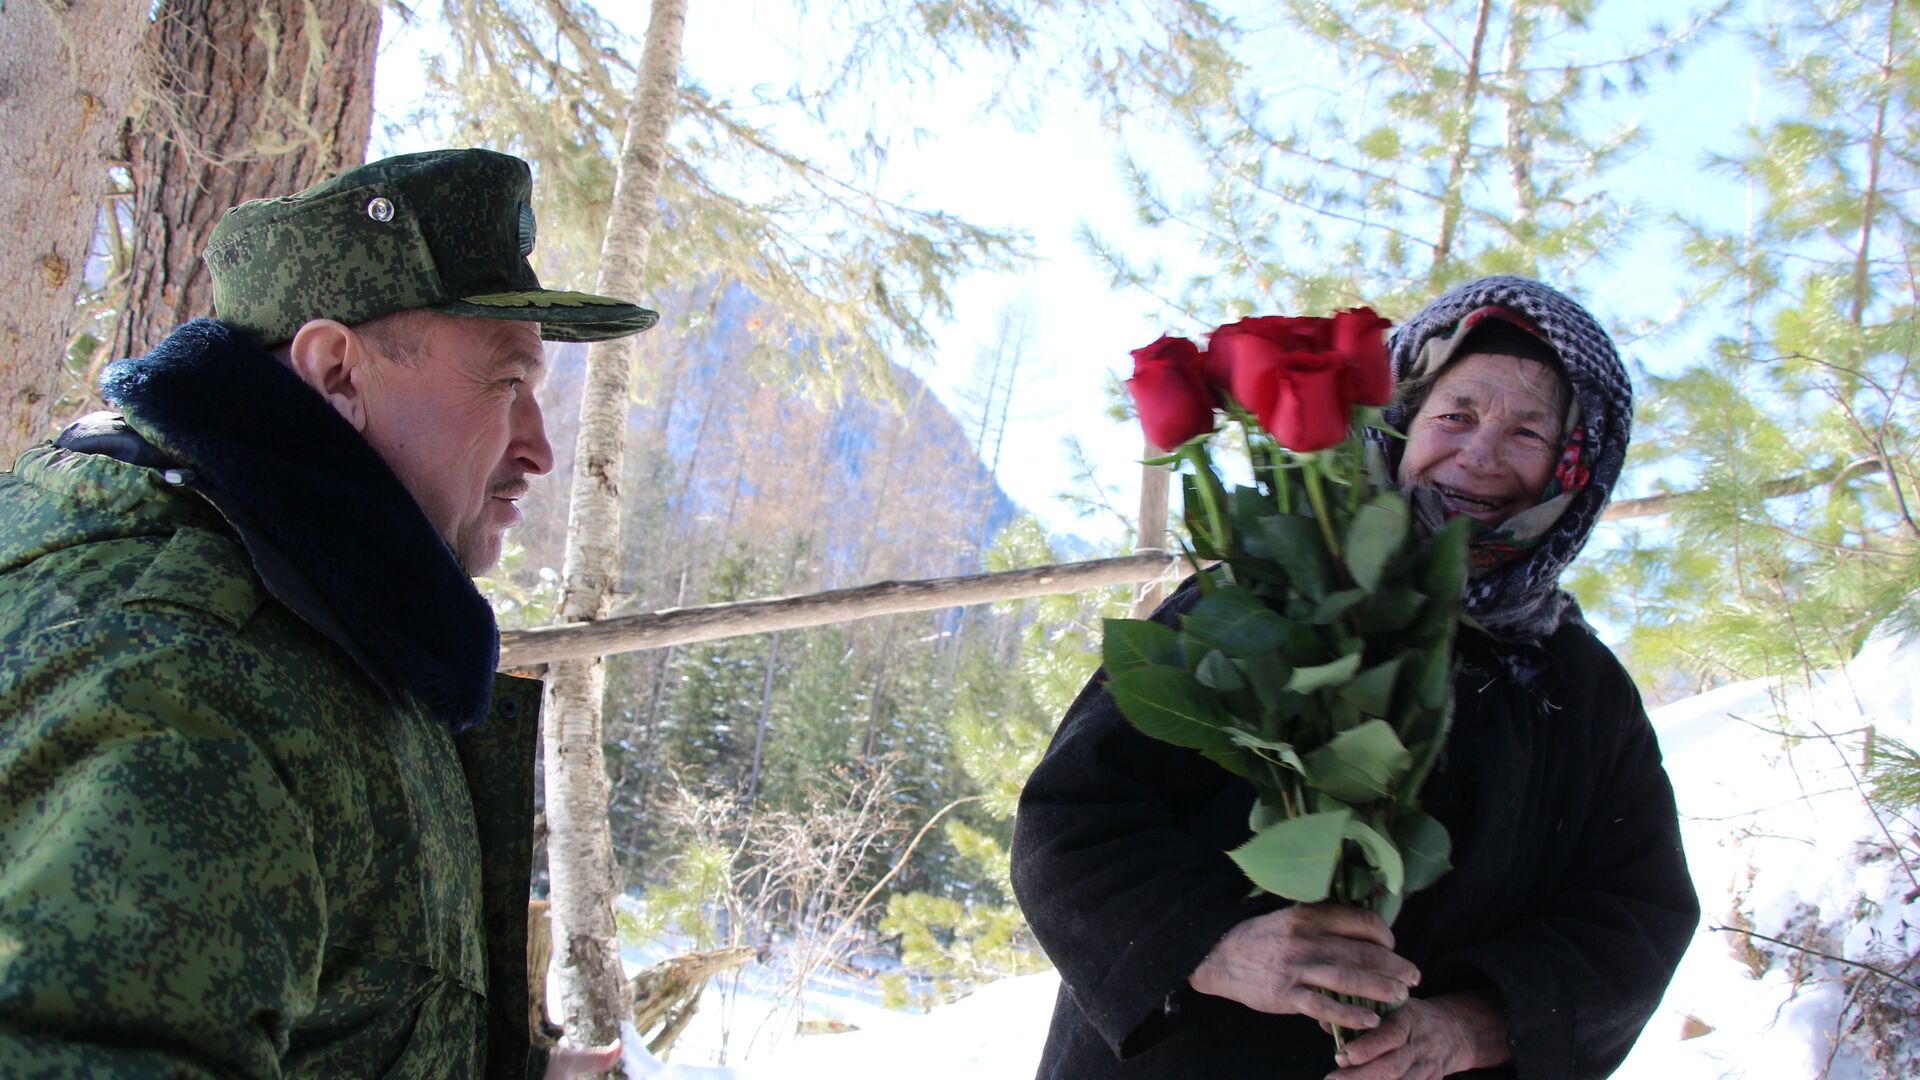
(1487, 437)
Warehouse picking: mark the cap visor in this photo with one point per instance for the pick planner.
(563, 316)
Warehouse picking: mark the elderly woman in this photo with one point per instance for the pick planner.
(1547, 947)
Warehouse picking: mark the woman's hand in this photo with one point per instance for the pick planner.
(1280, 963)
(1425, 1040)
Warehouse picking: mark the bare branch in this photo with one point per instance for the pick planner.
(708, 622)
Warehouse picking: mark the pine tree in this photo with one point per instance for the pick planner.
(1000, 717)
(1796, 438)
(1381, 150)
(239, 99)
(65, 89)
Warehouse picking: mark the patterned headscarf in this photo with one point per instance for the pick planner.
(1517, 597)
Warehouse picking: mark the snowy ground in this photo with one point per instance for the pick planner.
(1777, 838)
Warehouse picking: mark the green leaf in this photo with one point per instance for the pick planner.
(1376, 533)
(1265, 815)
(1371, 691)
(1445, 571)
(1387, 906)
(1236, 622)
(1168, 704)
(1382, 855)
(1234, 761)
(1391, 610)
(1248, 507)
(1337, 604)
(1425, 847)
(1295, 543)
(1267, 673)
(1132, 643)
(1296, 857)
(1435, 680)
(1360, 765)
(1308, 679)
(1218, 672)
(1274, 747)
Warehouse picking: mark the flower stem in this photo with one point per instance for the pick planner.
(1206, 482)
(1318, 498)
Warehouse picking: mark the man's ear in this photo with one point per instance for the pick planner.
(330, 357)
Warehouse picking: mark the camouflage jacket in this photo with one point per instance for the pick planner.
(235, 838)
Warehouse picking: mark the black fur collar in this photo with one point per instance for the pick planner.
(332, 531)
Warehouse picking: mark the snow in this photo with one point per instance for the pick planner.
(1783, 837)
(1776, 834)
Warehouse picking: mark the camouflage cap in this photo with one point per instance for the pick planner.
(446, 230)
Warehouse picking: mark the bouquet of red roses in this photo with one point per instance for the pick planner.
(1317, 663)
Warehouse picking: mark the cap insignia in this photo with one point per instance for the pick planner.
(527, 230)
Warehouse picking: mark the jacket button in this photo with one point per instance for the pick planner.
(509, 708)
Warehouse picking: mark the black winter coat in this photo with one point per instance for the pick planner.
(1569, 894)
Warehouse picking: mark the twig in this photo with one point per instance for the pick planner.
(1882, 972)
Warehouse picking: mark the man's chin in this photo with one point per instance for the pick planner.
(478, 557)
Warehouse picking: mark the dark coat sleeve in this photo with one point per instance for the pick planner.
(1581, 979)
(1125, 898)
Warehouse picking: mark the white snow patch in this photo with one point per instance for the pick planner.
(1778, 832)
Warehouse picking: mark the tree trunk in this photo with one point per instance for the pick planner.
(250, 98)
(593, 993)
(1454, 198)
(66, 79)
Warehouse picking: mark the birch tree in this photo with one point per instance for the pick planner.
(65, 86)
(594, 997)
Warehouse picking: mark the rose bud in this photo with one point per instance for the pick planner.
(1360, 336)
(1170, 391)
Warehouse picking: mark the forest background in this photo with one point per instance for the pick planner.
(902, 251)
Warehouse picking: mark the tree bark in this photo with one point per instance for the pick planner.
(65, 85)
(249, 99)
(594, 996)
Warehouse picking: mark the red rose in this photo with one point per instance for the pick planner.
(1301, 377)
(1294, 394)
(1171, 392)
(1360, 336)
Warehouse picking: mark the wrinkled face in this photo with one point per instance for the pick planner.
(457, 420)
(1487, 437)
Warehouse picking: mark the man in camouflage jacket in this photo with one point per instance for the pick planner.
(265, 810)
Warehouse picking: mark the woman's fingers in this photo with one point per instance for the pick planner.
(1353, 982)
(1375, 962)
(1345, 921)
(1317, 1006)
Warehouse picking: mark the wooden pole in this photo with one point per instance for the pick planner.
(682, 626)
(1152, 531)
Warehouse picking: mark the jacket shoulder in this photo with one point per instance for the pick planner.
(203, 571)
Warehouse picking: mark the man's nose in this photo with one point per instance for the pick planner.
(530, 435)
